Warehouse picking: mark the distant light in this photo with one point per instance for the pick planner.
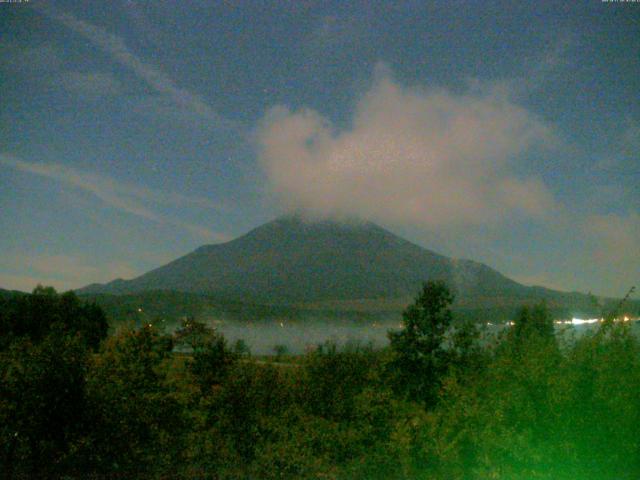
(139, 310)
(579, 321)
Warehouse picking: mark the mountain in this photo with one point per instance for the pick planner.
(290, 261)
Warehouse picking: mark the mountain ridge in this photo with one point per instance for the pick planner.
(291, 261)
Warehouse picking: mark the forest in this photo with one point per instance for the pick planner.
(444, 400)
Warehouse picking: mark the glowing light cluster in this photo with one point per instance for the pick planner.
(575, 321)
(579, 321)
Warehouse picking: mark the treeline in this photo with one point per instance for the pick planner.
(441, 402)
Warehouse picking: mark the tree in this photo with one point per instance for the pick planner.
(420, 355)
(44, 352)
(333, 379)
(210, 356)
(137, 418)
(34, 316)
(241, 349)
(280, 351)
(534, 322)
(42, 404)
(466, 354)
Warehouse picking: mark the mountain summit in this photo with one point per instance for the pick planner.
(293, 261)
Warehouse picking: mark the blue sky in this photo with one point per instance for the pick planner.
(136, 131)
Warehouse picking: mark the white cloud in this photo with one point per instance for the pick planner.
(421, 156)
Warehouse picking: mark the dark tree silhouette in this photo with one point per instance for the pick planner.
(533, 321)
(420, 357)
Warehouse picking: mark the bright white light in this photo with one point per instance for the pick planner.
(579, 321)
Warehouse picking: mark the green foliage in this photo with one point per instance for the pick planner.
(137, 420)
(238, 408)
(44, 353)
(280, 351)
(421, 358)
(460, 406)
(535, 413)
(334, 378)
(211, 358)
(534, 321)
(34, 316)
(466, 355)
(241, 349)
(42, 404)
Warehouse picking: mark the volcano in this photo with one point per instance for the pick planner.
(292, 261)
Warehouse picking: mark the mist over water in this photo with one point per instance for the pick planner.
(301, 336)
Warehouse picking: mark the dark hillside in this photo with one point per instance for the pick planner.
(329, 265)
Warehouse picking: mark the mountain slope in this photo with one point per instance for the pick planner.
(291, 261)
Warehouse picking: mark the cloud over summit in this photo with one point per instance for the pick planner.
(422, 156)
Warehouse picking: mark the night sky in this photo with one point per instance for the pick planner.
(132, 132)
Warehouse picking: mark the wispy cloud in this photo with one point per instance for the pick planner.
(89, 84)
(44, 64)
(116, 48)
(129, 198)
